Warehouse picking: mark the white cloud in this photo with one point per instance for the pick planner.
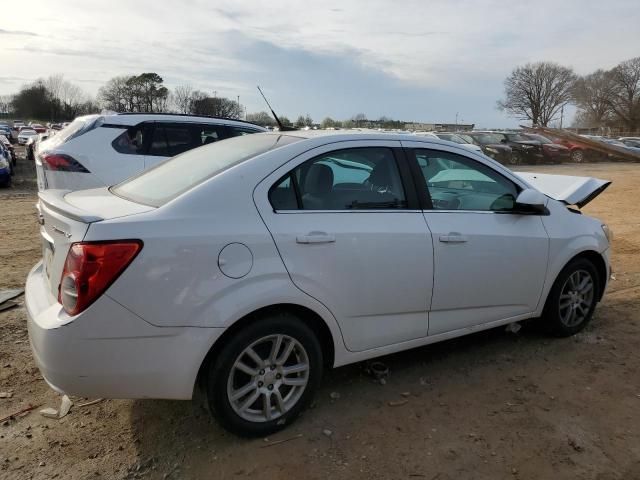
(443, 45)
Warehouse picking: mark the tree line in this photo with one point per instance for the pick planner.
(57, 99)
(538, 92)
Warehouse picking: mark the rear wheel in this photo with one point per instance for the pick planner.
(577, 156)
(264, 376)
(516, 158)
(573, 298)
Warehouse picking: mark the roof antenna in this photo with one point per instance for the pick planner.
(281, 127)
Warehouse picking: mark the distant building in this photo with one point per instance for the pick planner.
(440, 127)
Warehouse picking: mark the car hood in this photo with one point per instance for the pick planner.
(498, 146)
(566, 188)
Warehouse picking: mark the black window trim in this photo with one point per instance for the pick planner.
(407, 179)
(423, 190)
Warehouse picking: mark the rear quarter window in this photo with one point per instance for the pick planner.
(169, 179)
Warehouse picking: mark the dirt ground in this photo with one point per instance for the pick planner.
(494, 405)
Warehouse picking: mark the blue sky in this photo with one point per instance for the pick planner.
(411, 60)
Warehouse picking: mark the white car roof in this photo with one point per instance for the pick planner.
(130, 119)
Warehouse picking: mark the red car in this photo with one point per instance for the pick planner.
(552, 151)
(38, 128)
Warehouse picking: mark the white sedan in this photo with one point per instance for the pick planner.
(246, 266)
(25, 134)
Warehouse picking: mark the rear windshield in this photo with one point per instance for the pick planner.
(76, 128)
(181, 173)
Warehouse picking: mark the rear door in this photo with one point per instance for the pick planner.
(490, 262)
(347, 225)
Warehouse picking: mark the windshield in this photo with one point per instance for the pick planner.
(75, 128)
(516, 137)
(539, 138)
(452, 137)
(617, 143)
(487, 138)
(181, 173)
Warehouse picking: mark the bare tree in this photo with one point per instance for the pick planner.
(359, 119)
(592, 94)
(625, 94)
(203, 104)
(261, 118)
(537, 91)
(182, 98)
(328, 122)
(114, 95)
(5, 103)
(54, 84)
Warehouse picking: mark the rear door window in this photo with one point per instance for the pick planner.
(132, 140)
(208, 133)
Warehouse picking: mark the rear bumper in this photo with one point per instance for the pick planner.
(109, 352)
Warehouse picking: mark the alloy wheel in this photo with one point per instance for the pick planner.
(576, 298)
(268, 378)
(577, 156)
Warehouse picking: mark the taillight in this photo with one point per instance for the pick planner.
(61, 163)
(90, 268)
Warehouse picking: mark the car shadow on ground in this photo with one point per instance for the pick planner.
(173, 436)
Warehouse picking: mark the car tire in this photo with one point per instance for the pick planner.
(572, 299)
(516, 158)
(577, 156)
(238, 386)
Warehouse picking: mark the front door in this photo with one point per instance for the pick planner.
(351, 236)
(489, 263)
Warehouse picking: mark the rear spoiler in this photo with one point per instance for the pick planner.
(54, 200)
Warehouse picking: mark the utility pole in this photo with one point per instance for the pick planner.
(456, 121)
(561, 115)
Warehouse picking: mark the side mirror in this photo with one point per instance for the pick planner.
(504, 140)
(531, 201)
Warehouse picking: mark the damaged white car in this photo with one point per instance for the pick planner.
(246, 266)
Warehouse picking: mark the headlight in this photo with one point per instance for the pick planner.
(492, 150)
(607, 232)
(4, 163)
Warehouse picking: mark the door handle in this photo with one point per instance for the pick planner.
(316, 237)
(454, 237)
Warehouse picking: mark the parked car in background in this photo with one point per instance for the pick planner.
(18, 123)
(38, 128)
(33, 143)
(5, 130)
(56, 126)
(630, 141)
(455, 138)
(552, 152)
(99, 150)
(619, 144)
(524, 150)
(246, 266)
(7, 143)
(6, 166)
(491, 146)
(25, 134)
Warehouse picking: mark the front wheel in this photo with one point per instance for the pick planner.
(577, 156)
(264, 375)
(572, 299)
(516, 158)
